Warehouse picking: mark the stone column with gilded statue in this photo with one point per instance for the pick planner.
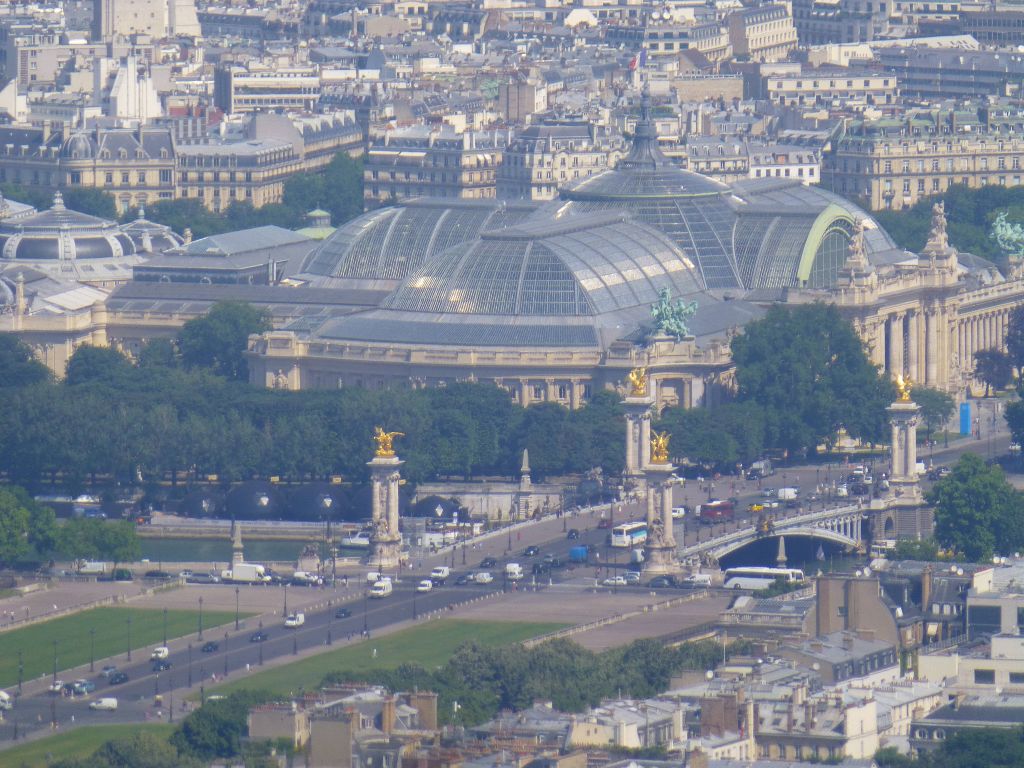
(905, 497)
(638, 405)
(386, 539)
(660, 552)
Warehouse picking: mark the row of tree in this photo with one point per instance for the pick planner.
(29, 532)
(337, 188)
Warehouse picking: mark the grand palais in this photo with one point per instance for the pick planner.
(550, 301)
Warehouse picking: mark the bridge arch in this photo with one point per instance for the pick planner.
(807, 531)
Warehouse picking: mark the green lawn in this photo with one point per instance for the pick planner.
(429, 645)
(80, 742)
(73, 640)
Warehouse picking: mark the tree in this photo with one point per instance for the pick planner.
(97, 365)
(119, 542)
(1015, 341)
(94, 202)
(936, 408)
(158, 353)
(917, 549)
(808, 370)
(218, 340)
(981, 748)
(14, 525)
(216, 728)
(994, 368)
(976, 510)
(18, 366)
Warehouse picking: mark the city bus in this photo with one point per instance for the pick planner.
(629, 535)
(754, 577)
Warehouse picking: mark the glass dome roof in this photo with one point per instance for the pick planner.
(692, 209)
(588, 266)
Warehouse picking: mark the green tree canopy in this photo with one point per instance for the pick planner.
(936, 408)
(976, 511)
(217, 340)
(14, 527)
(18, 366)
(993, 366)
(159, 353)
(91, 365)
(808, 370)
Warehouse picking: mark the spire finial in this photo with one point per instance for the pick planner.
(58, 201)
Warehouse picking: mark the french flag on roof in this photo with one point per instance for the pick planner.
(640, 60)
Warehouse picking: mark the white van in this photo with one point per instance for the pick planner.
(295, 620)
(699, 579)
(381, 589)
(106, 704)
(373, 577)
(6, 702)
(513, 571)
(440, 573)
(159, 653)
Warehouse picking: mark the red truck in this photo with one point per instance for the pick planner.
(716, 511)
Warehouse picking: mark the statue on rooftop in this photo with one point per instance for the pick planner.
(673, 317)
(1009, 237)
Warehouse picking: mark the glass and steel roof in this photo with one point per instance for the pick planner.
(390, 243)
(692, 209)
(586, 266)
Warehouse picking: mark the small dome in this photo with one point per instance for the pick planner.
(149, 236)
(78, 146)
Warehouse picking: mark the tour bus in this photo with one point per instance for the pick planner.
(629, 535)
(716, 511)
(760, 578)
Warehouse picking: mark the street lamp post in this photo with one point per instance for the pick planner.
(190, 665)
(21, 671)
(200, 617)
(54, 661)
(236, 609)
(366, 625)
(260, 643)
(285, 611)
(92, 649)
(129, 638)
(414, 614)
(165, 625)
(330, 621)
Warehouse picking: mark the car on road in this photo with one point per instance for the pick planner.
(258, 637)
(295, 620)
(632, 577)
(160, 652)
(662, 582)
(937, 473)
(68, 690)
(161, 665)
(157, 575)
(343, 613)
(57, 686)
(484, 577)
(425, 585)
(488, 562)
(615, 581)
(531, 551)
(108, 670)
(84, 687)
(573, 534)
(118, 678)
(464, 579)
(202, 578)
(106, 704)
(210, 646)
(6, 702)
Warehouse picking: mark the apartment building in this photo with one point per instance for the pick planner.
(820, 22)
(544, 157)
(764, 33)
(244, 90)
(893, 164)
(823, 87)
(421, 161)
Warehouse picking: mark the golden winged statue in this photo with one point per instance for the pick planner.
(638, 380)
(659, 447)
(384, 440)
(903, 385)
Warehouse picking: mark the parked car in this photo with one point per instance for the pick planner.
(210, 646)
(258, 637)
(531, 551)
(157, 575)
(615, 581)
(573, 534)
(484, 577)
(108, 670)
(69, 689)
(488, 562)
(202, 578)
(56, 686)
(343, 613)
(118, 678)
(84, 687)
(161, 665)
(632, 577)
(426, 585)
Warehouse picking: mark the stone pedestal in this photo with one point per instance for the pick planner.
(386, 540)
(638, 438)
(904, 489)
(660, 552)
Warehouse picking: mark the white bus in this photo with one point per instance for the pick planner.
(760, 578)
(629, 535)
